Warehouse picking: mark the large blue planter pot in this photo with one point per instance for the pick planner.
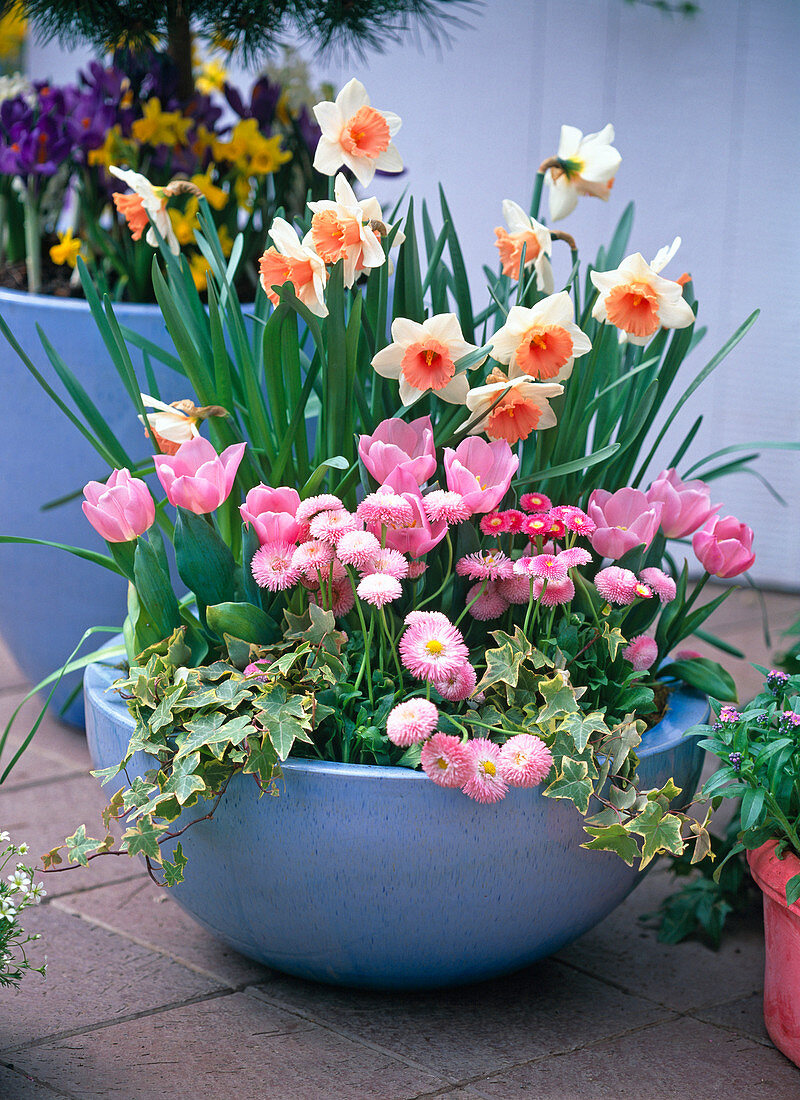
(375, 877)
(48, 598)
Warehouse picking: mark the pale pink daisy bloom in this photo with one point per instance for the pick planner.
(641, 652)
(357, 548)
(272, 566)
(378, 589)
(535, 502)
(485, 783)
(386, 509)
(617, 585)
(525, 760)
(432, 648)
(556, 592)
(661, 583)
(489, 601)
(516, 589)
(548, 567)
(416, 569)
(427, 618)
(331, 525)
(324, 502)
(491, 564)
(446, 505)
(411, 721)
(522, 566)
(388, 561)
(494, 523)
(446, 760)
(312, 557)
(459, 685)
(576, 555)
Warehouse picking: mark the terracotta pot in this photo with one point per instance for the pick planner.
(782, 935)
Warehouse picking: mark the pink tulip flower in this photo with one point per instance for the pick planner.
(395, 443)
(423, 535)
(724, 546)
(481, 472)
(687, 504)
(272, 513)
(196, 477)
(120, 510)
(624, 519)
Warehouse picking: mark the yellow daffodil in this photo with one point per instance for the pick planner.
(12, 32)
(268, 156)
(203, 140)
(217, 197)
(110, 152)
(200, 268)
(158, 127)
(212, 77)
(243, 191)
(185, 223)
(225, 240)
(67, 249)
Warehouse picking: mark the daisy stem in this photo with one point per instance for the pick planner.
(529, 612)
(392, 647)
(367, 635)
(471, 602)
(576, 576)
(443, 585)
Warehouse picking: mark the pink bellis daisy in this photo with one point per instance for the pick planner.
(416, 569)
(514, 520)
(329, 526)
(576, 555)
(535, 502)
(356, 548)
(554, 593)
(324, 502)
(387, 561)
(446, 505)
(548, 567)
(661, 583)
(446, 760)
(494, 523)
(516, 589)
(486, 601)
(378, 589)
(459, 685)
(641, 652)
(432, 648)
(617, 585)
(491, 564)
(313, 557)
(485, 783)
(411, 721)
(272, 566)
(525, 760)
(386, 509)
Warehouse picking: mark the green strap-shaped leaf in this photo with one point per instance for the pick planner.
(205, 563)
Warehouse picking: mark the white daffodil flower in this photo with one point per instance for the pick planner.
(296, 262)
(588, 166)
(523, 230)
(146, 199)
(356, 134)
(423, 358)
(511, 408)
(638, 301)
(542, 341)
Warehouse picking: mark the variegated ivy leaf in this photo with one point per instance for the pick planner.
(623, 740)
(137, 795)
(79, 845)
(52, 858)
(614, 639)
(572, 783)
(113, 810)
(173, 871)
(504, 663)
(261, 759)
(162, 715)
(665, 794)
(580, 727)
(213, 731)
(184, 781)
(660, 831)
(142, 840)
(559, 697)
(613, 838)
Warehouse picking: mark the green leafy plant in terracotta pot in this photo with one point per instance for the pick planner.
(759, 748)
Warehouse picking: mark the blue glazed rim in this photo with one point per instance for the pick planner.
(54, 302)
(685, 709)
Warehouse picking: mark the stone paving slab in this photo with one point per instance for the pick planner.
(744, 1015)
(669, 1062)
(148, 915)
(64, 745)
(685, 977)
(11, 676)
(45, 815)
(17, 1086)
(229, 1047)
(93, 976)
(467, 1032)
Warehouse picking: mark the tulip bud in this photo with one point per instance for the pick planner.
(724, 547)
(120, 510)
(196, 477)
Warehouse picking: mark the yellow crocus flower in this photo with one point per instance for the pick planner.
(216, 196)
(185, 223)
(212, 77)
(158, 127)
(200, 268)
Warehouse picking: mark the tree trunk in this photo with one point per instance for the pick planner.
(179, 47)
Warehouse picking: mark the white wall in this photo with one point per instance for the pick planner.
(706, 114)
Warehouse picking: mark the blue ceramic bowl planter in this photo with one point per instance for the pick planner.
(376, 877)
(48, 598)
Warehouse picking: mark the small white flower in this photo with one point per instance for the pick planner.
(23, 848)
(4, 837)
(20, 882)
(38, 892)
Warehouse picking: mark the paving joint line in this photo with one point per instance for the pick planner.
(28, 783)
(58, 903)
(38, 1081)
(131, 1017)
(89, 888)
